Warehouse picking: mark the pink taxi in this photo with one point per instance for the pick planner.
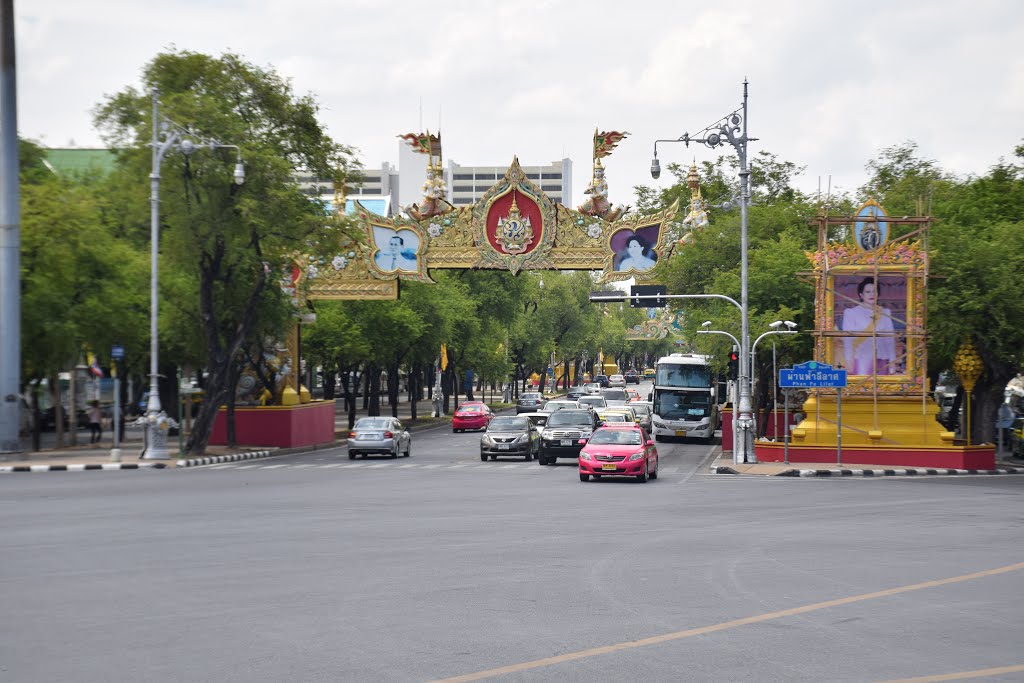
(619, 450)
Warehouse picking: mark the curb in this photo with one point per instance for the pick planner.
(81, 468)
(215, 459)
(896, 472)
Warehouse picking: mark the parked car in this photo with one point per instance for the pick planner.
(529, 402)
(563, 432)
(471, 416)
(507, 435)
(619, 451)
(632, 377)
(617, 381)
(378, 436)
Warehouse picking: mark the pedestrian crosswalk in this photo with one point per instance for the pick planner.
(527, 467)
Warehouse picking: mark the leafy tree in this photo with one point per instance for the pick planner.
(231, 240)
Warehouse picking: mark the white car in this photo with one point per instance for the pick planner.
(617, 381)
(553, 406)
(592, 388)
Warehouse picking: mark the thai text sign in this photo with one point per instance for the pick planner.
(812, 374)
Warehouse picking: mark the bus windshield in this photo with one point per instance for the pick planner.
(678, 375)
(682, 405)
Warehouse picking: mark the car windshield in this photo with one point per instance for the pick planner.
(677, 405)
(592, 400)
(529, 397)
(569, 417)
(373, 423)
(471, 409)
(508, 424)
(640, 409)
(617, 437)
(614, 417)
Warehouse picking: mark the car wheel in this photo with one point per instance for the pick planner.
(394, 454)
(351, 456)
(657, 437)
(584, 477)
(408, 450)
(654, 474)
(642, 477)
(529, 456)
(483, 458)
(455, 431)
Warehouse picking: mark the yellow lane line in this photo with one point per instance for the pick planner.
(735, 623)
(979, 673)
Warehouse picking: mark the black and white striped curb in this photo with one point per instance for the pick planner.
(235, 457)
(82, 468)
(905, 472)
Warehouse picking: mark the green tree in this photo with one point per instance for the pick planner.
(232, 241)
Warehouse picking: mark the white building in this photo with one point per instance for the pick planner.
(386, 189)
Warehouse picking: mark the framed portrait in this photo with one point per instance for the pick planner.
(869, 321)
(395, 250)
(634, 248)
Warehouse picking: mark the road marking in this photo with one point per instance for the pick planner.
(337, 464)
(726, 625)
(431, 467)
(247, 467)
(358, 464)
(977, 673)
(273, 467)
(405, 467)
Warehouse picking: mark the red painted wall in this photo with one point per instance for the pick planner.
(307, 424)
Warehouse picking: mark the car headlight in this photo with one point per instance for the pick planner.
(585, 433)
(658, 424)
(585, 456)
(636, 456)
(547, 434)
(523, 438)
(486, 440)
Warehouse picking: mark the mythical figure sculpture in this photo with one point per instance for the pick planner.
(598, 204)
(434, 203)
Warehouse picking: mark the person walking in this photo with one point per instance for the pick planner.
(95, 424)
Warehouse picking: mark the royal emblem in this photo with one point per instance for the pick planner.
(514, 233)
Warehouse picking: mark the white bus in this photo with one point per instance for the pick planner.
(685, 402)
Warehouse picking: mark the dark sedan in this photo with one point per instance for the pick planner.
(507, 435)
(632, 377)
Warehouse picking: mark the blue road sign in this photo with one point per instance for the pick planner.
(812, 374)
(117, 352)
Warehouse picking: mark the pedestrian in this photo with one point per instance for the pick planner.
(95, 424)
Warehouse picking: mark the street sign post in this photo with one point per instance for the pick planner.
(815, 375)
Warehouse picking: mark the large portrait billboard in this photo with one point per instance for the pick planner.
(872, 309)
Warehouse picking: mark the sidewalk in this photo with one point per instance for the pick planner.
(85, 456)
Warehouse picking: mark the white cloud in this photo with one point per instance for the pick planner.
(831, 84)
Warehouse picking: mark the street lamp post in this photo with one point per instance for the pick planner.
(166, 136)
(732, 129)
(790, 329)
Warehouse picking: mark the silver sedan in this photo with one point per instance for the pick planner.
(379, 436)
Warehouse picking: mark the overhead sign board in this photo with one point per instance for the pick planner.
(812, 374)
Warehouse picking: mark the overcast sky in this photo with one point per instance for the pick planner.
(831, 83)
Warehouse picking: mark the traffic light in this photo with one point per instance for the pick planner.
(734, 365)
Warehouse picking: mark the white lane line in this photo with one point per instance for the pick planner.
(274, 467)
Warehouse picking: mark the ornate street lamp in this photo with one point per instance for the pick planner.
(167, 135)
(732, 129)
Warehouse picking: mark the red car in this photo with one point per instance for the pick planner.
(619, 450)
(471, 415)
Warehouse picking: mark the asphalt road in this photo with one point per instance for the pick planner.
(315, 568)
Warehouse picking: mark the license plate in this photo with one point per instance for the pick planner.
(680, 432)
(367, 437)
(502, 446)
(608, 466)
(566, 442)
